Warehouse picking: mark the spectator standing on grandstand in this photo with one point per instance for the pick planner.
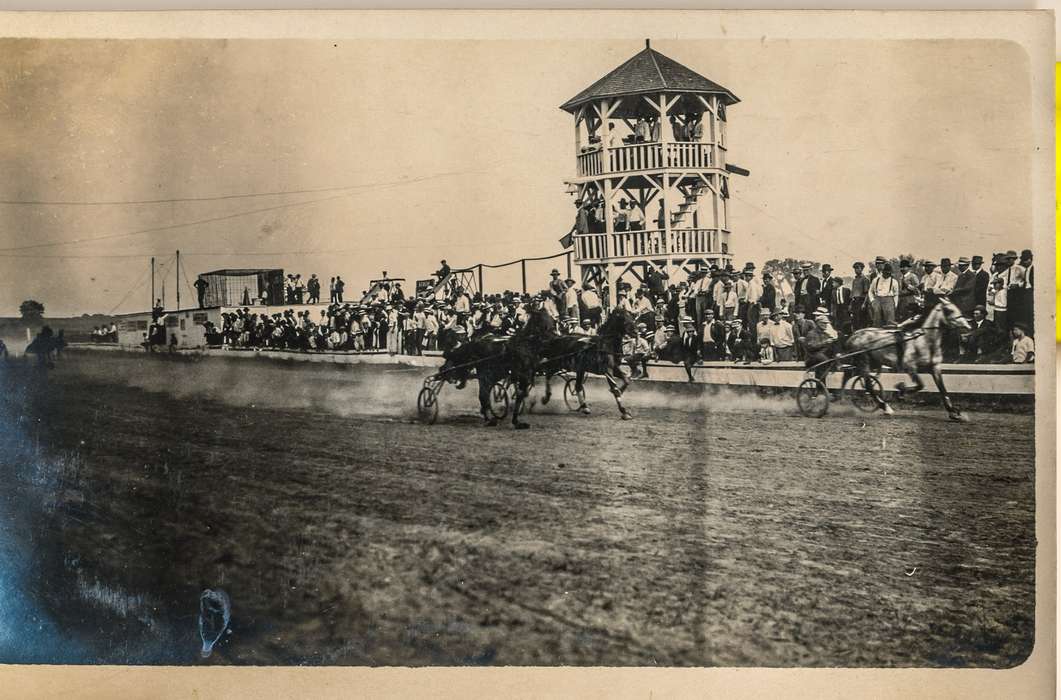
(331, 291)
(983, 281)
(859, 297)
(339, 287)
(964, 292)
(839, 305)
(997, 311)
(768, 300)
(947, 278)
(314, 289)
(807, 288)
(1021, 302)
(826, 285)
(908, 288)
(781, 337)
(1023, 349)
(884, 293)
(571, 310)
(591, 302)
(644, 311)
(728, 302)
(929, 284)
(754, 296)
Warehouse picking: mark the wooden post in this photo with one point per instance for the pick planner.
(482, 292)
(523, 269)
(605, 137)
(178, 280)
(152, 304)
(568, 258)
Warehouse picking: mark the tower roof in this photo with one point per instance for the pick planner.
(648, 71)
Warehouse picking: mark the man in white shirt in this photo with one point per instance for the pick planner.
(781, 338)
(591, 302)
(947, 278)
(635, 217)
(884, 294)
(1023, 349)
(571, 301)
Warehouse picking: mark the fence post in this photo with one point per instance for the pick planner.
(482, 291)
(523, 269)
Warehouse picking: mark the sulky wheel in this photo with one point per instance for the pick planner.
(499, 400)
(812, 398)
(427, 405)
(864, 392)
(572, 398)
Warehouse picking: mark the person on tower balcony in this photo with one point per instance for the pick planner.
(635, 217)
(654, 132)
(642, 131)
(695, 128)
(619, 216)
(661, 216)
(677, 129)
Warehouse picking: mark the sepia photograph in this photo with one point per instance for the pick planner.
(520, 351)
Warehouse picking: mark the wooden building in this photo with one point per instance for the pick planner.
(652, 132)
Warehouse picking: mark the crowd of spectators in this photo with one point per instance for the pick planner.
(720, 313)
(104, 333)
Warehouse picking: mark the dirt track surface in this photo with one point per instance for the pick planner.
(708, 531)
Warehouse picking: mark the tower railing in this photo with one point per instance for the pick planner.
(651, 243)
(647, 156)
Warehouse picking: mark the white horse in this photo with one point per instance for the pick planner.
(923, 350)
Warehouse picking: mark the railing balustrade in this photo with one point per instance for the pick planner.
(635, 244)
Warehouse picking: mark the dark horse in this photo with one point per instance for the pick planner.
(595, 354)
(675, 350)
(493, 358)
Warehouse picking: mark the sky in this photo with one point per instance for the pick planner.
(392, 154)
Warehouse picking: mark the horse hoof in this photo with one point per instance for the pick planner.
(627, 415)
(491, 422)
(521, 426)
(545, 399)
(888, 410)
(959, 418)
(584, 410)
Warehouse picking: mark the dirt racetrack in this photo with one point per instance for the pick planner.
(709, 531)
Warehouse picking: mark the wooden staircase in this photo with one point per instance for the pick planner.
(688, 205)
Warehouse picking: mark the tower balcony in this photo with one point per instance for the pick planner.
(685, 155)
(636, 245)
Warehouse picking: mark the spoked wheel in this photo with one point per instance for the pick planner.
(499, 400)
(812, 398)
(864, 392)
(572, 398)
(427, 405)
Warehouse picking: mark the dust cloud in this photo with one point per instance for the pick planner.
(387, 391)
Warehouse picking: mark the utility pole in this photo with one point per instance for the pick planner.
(151, 301)
(179, 280)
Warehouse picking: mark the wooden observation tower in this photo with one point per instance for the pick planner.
(651, 132)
